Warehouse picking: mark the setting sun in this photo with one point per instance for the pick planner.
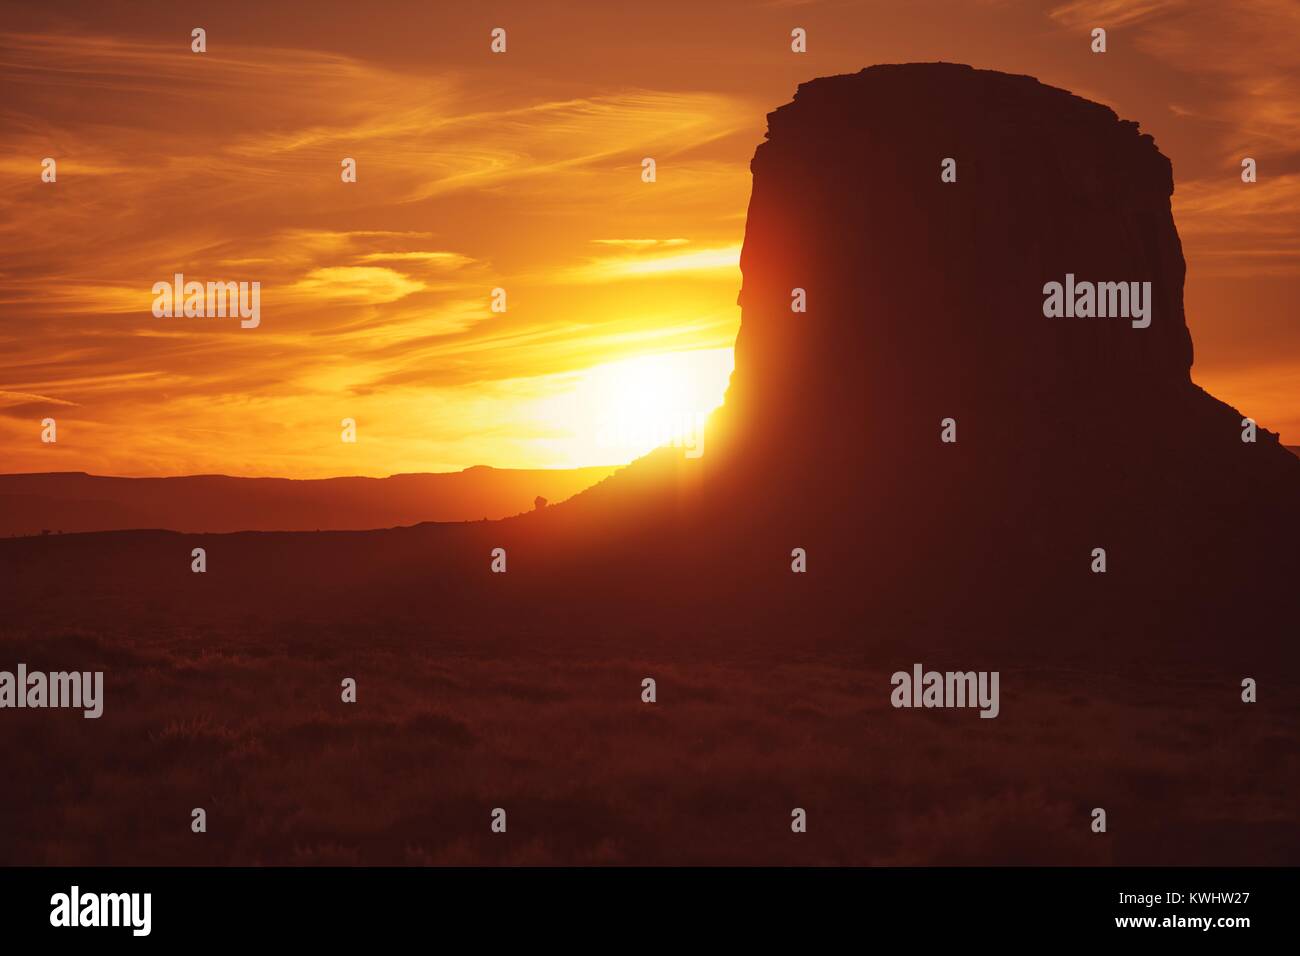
(618, 411)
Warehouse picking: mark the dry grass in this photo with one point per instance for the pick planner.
(447, 728)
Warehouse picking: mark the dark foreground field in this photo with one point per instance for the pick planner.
(522, 690)
(448, 726)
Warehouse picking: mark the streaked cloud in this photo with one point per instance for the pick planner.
(1112, 13)
(641, 243)
(363, 283)
(613, 268)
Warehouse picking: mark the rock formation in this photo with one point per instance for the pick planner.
(925, 303)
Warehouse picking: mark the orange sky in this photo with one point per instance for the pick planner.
(520, 171)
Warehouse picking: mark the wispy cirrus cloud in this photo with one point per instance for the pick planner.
(1112, 13)
(226, 167)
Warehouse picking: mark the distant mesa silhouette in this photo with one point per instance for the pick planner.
(76, 501)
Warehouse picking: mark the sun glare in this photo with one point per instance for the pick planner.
(619, 411)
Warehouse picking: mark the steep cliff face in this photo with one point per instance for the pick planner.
(925, 318)
(925, 302)
(925, 298)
